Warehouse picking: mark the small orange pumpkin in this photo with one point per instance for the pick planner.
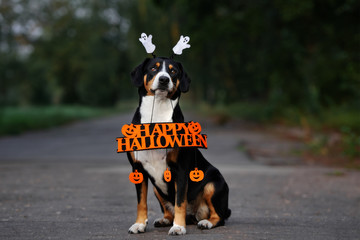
(196, 175)
(167, 175)
(194, 127)
(129, 130)
(136, 177)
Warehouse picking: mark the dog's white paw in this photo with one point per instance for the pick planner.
(138, 227)
(162, 222)
(205, 224)
(177, 230)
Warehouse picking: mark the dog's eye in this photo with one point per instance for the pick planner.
(153, 69)
(173, 71)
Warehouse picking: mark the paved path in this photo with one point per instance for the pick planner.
(68, 183)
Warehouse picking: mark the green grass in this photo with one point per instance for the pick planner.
(336, 173)
(342, 120)
(16, 120)
(256, 112)
(335, 118)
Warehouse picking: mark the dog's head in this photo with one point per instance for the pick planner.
(161, 76)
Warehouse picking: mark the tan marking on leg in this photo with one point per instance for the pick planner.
(142, 205)
(180, 214)
(209, 191)
(180, 211)
(167, 214)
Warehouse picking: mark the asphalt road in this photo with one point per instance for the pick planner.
(69, 183)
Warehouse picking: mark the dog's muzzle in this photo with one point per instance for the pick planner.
(163, 83)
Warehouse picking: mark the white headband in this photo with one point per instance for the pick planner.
(146, 41)
(178, 49)
(181, 45)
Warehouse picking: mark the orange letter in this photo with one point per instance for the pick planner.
(144, 130)
(136, 145)
(158, 142)
(203, 140)
(157, 130)
(175, 139)
(123, 142)
(187, 140)
(171, 127)
(180, 126)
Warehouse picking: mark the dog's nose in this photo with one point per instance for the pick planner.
(164, 80)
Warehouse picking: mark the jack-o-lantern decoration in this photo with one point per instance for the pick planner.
(196, 175)
(167, 175)
(136, 177)
(194, 127)
(129, 130)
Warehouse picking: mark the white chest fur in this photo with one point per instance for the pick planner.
(156, 109)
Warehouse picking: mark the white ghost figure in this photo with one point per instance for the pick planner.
(181, 45)
(147, 42)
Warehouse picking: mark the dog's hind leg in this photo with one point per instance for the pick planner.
(213, 219)
(168, 211)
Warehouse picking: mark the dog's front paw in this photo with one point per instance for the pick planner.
(205, 224)
(162, 222)
(138, 228)
(177, 230)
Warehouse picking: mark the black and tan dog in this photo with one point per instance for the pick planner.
(160, 82)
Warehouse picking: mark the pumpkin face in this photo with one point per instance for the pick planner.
(194, 127)
(136, 177)
(129, 130)
(167, 175)
(196, 175)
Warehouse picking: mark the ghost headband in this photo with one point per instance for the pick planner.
(177, 49)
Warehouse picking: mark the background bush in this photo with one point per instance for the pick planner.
(302, 54)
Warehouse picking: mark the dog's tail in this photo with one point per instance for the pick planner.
(228, 213)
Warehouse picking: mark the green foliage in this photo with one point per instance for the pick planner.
(80, 57)
(14, 120)
(336, 173)
(301, 55)
(319, 145)
(351, 142)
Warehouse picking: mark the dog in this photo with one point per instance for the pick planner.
(160, 82)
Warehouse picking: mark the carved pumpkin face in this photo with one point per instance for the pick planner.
(136, 177)
(129, 130)
(167, 175)
(194, 127)
(196, 175)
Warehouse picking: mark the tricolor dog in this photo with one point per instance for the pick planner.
(160, 82)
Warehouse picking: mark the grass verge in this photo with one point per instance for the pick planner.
(332, 135)
(16, 120)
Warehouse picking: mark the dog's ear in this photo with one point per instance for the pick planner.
(137, 75)
(184, 80)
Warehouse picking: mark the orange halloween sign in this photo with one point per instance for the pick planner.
(160, 135)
